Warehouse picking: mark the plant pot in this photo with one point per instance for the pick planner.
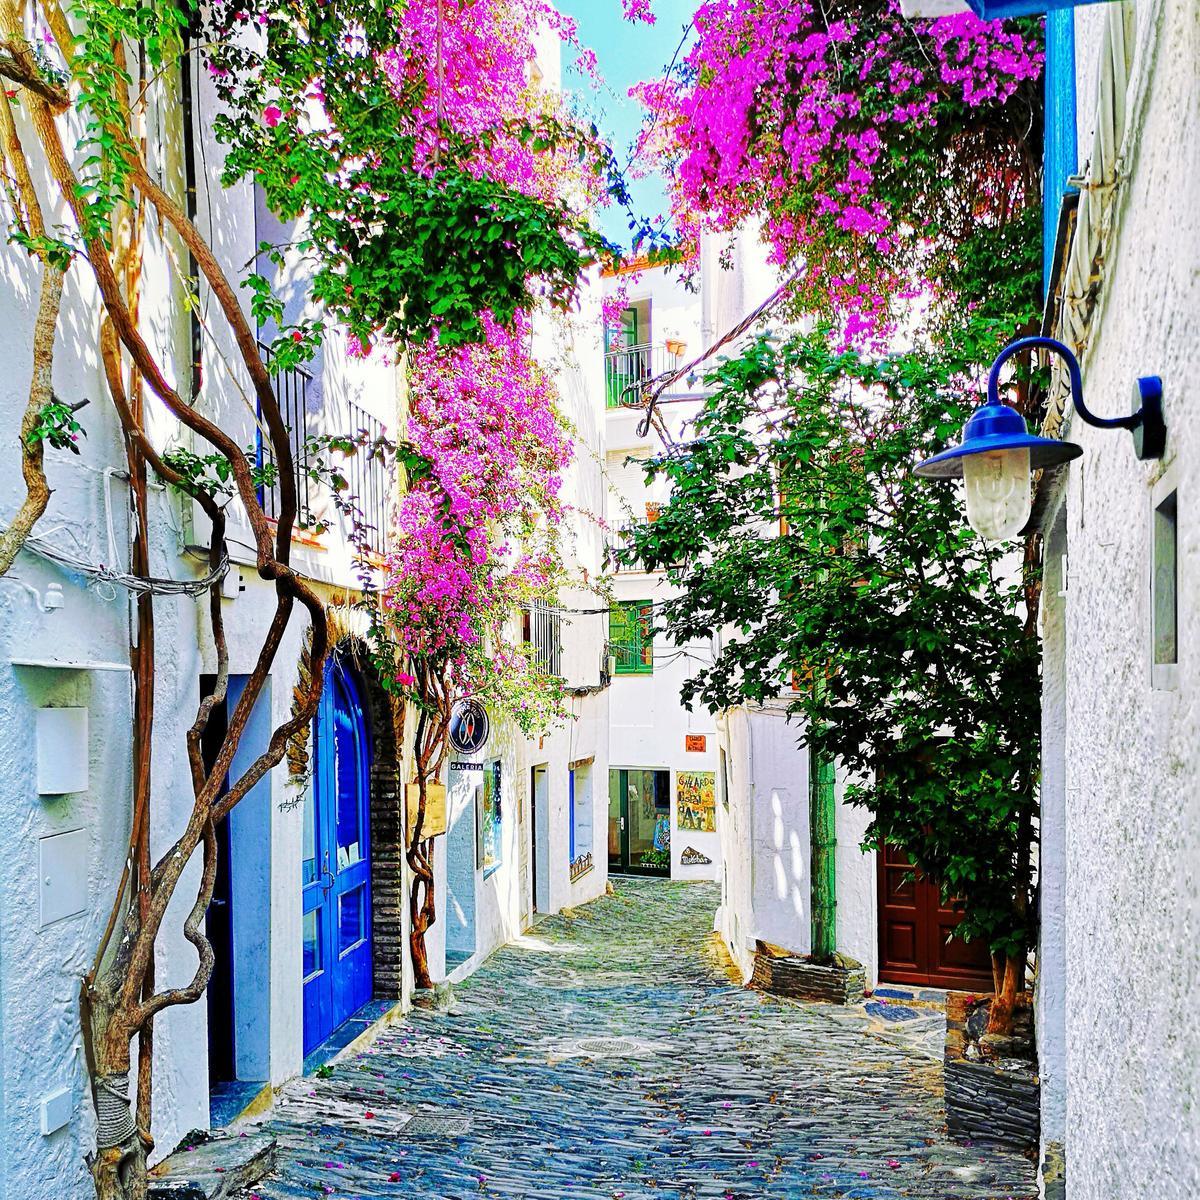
(800, 977)
(675, 347)
(992, 1087)
(652, 511)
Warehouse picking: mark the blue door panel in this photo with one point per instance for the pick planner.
(336, 883)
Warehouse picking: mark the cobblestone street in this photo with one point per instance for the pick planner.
(607, 1055)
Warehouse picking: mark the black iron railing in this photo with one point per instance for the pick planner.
(627, 368)
(291, 393)
(368, 479)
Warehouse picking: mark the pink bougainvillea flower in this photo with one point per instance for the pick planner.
(272, 116)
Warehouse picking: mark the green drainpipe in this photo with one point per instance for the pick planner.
(822, 807)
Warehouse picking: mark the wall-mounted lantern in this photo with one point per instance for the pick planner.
(997, 452)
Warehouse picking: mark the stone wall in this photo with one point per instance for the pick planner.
(387, 848)
(988, 1101)
(803, 979)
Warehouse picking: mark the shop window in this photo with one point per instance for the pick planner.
(491, 826)
(579, 795)
(631, 636)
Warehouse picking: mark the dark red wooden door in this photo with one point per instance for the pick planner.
(915, 928)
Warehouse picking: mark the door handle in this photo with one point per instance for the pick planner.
(622, 824)
(326, 871)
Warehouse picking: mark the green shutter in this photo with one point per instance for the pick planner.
(631, 641)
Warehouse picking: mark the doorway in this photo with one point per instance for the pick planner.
(639, 821)
(917, 945)
(336, 869)
(237, 923)
(539, 795)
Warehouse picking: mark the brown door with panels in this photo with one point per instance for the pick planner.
(916, 945)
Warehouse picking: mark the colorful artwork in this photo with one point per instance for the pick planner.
(696, 800)
(691, 857)
(491, 816)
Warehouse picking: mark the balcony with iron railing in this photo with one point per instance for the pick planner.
(365, 470)
(627, 369)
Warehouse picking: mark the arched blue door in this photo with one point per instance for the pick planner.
(336, 878)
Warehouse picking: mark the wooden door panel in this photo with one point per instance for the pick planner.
(916, 942)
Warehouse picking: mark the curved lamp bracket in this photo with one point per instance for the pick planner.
(1146, 422)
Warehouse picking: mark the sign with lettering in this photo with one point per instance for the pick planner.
(695, 742)
(469, 727)
(696, 800)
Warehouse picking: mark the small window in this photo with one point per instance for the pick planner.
(542, 628)
(1165, 580)
(579, 795)
(1164, 591)
(631, 636)
(492, 826)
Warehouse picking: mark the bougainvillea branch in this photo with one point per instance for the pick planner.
(866, 144)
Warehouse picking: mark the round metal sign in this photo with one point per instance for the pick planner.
(468, 727)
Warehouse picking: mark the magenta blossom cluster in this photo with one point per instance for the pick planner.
(465, 68)
(475, 532)
(795, 111)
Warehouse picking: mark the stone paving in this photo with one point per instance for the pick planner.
(607, 1056)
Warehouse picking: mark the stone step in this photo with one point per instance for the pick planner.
(212, 1166)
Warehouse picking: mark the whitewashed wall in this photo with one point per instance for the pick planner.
(766, 845)
(1131, 751)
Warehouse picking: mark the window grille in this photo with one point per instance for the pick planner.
(368, 478)
(544, 631)
(631, 636)
(291, 394)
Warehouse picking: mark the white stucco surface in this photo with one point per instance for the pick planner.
(1130, 833)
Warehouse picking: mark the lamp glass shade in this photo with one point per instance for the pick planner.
(999, 498)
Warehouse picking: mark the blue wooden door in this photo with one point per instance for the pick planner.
(336, 877)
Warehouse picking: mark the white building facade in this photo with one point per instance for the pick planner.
(661, 783)
(1118, 1034)
(309, 920)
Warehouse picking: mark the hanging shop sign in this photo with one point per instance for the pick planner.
(433, 823)
(469, 727)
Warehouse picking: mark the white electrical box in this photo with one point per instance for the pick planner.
(62, 875)
(57, 1109)
(62, 751)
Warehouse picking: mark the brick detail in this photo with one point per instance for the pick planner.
(387, 846)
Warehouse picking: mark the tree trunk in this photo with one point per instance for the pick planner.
(1000, 1016)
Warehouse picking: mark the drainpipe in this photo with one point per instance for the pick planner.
(823, 837)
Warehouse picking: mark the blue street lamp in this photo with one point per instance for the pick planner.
(997, 452)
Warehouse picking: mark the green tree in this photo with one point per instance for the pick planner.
(796, 528)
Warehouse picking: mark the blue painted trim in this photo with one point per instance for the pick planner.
(999, 10)
(571, 810)
(1061, 152)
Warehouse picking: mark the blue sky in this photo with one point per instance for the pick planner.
(626, 54)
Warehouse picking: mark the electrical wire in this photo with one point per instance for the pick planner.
(652, 389)
(98, 574)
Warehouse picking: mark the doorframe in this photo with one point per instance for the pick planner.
(625, 866)
(539, 833)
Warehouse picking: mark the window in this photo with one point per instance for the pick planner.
(1164, 585)
(631, 636)
(491, 824)
(543, 630)
(579, 798)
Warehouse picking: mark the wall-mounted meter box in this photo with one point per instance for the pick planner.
(63, 875)
(62, 751)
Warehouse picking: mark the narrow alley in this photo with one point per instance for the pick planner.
(607, 1055)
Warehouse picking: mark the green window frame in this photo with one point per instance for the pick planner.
(631, 636)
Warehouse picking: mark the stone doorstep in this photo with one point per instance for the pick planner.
(212, 1167)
